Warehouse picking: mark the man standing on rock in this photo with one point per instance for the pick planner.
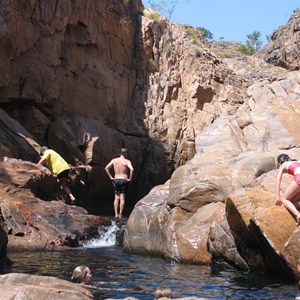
(121, 166)
(57, 166)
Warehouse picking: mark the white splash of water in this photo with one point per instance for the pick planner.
(107, 237)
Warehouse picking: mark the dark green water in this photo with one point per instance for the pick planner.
(119, 275)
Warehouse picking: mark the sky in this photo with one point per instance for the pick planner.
(233, 20)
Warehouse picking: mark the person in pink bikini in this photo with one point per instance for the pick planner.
(291, 196)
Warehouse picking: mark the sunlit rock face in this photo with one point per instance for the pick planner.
(69, 73)
(203, 125)
(87, 78)
(31, 215)
(220, 206)
(17, 285)
(283, 49)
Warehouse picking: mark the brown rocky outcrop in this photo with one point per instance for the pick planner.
(283, 49)
(65, 84)
(21, 286)
(65, 66)
(87, 77)
(231, 178)
(5, 262)
(32, 223)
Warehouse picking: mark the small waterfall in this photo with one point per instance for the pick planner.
(107, 237)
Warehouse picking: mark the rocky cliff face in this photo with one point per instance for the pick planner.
(89, 77)
(284, 48)
(69, 73)
(219, 206)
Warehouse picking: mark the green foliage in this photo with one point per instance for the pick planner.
(252, 44)
(192, 33)
(124, 22)
(254, 40)
(246, 49)
(167, 48)
(206, 33)
(227, 54)
(155, 17)
(151, 61)
(151, 65)
(198, 53)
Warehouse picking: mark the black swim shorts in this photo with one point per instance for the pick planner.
(63, 174)
(120, 186)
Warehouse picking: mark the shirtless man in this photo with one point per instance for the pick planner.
(121, 166)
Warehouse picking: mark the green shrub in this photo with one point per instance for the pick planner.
(246, 49)
(253, 44)
(198, 53)
(205, 33)
(227, 54)
(192, 33)
(155, 17)
(167, 48)
(124, 22)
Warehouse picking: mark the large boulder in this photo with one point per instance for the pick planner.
(23, 286)
(220, 206)
(136, 235)
(283, 49)
(5, 262)
(32, 223)
(288, 251)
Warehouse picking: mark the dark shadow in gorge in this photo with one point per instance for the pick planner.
(45, 94)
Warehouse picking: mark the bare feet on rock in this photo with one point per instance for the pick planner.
(298, 220)
(73, 199)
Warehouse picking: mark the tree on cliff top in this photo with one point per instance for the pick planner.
(164, 7)
(253, 44)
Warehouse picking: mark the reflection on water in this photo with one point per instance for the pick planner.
(119, 275)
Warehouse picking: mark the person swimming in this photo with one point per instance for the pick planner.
(82, 275)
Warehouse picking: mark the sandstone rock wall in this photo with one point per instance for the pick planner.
(283, 50)
(90, 77)
(14, 286)
(220, 206)
(69, 73)
(87, 78)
